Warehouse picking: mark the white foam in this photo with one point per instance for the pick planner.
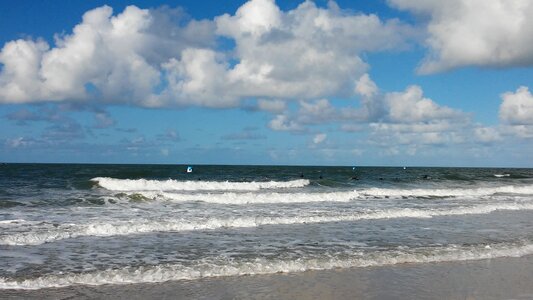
(224, 267)
(175, 185)
(502, 175)
(452, 192)
(9, 222)
(140, 226)
(253, 198)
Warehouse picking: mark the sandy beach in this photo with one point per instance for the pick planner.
(502, 278)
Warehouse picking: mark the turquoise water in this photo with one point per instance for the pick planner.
(66, 224)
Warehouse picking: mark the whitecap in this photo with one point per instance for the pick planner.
(114, 184)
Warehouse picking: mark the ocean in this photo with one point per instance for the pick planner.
(65, 225)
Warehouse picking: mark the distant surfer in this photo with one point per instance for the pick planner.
(302, 175)
(189, 169)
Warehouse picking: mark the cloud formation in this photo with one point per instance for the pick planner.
(109, 58)
(157, 58)
(411, 106)
(517, 107)
(496, 33)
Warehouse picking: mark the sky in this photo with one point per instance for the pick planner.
(355, 83)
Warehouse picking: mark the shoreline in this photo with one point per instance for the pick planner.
(497, 278)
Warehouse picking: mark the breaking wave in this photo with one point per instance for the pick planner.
(223, 267)
(141, 226)
(175, 185)
(448, 192)
(253, 198)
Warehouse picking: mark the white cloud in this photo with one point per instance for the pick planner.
(143, 57)
(372, 104)
(496, 33)
(310, 113)
(308, 52)
(487, 135)
(517, 108)
(199, 78)
(252, 18)
(108, 57)
(516, 113)
(366, 87)
(521, 131)
(315, 112)
(319, 138)
(411, 107)
(19, 78)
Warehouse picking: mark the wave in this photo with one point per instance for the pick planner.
(449, 192)
(344, 196)
(140, 226)
(250, 198)
(14, 222)
(224, 267)
(175, 185)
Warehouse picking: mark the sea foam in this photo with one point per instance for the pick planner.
(222, 267)
(140, 226)
(448, 192)
(252, 198)
(114, 184)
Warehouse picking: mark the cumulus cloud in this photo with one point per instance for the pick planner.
(316, 112)
(309, 113)
(308, 52)
(517, 107)
(411, 106)
(407, 119)
(366, 87)
(159, 58)
(487, 135)
(112, 58)
(372, 104)
(496, 33)
(516, 114)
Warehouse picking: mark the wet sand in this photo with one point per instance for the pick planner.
(502, 278)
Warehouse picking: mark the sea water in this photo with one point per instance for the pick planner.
(67, 224)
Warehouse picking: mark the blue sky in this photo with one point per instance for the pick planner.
(396, 82)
